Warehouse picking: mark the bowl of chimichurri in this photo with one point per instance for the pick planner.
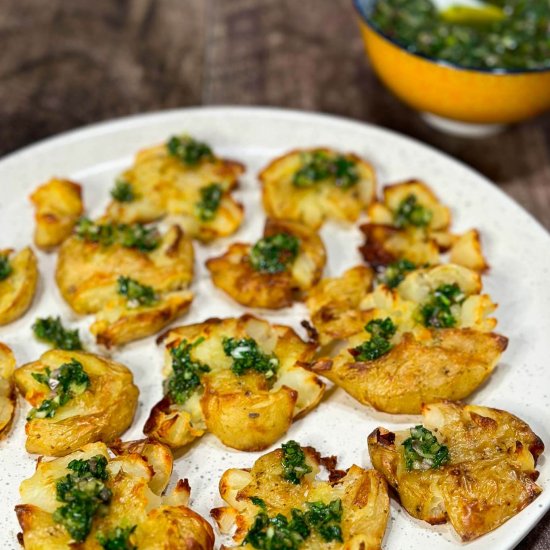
(485, 64)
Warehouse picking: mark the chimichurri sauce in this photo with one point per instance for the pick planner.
(506, 34)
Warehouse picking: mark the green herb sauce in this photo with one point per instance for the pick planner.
(275, 253)
(247, 356)
(188, 150)
(5, 267)
(211, 197)
(137, 295)
(422, 451)
(51, 330)
(319, 166)
(381, 331)
(294, 462)
(437, 311)
(410, 213)
(118, 539)
(123, 191)
(506, 34)
(395, 272)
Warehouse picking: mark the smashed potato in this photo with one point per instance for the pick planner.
(314, 185)
(356, 503)
(240, 379)
(78, 398)
(18, 280)
(334, 302)
(196, 194)
(7, 390)
(410, 223)
(415, 349)
(131, 511)
(58, 205)
(477, 475)
(271, 274)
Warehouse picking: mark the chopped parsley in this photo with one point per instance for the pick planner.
(247, 356)
(395, 272)
(66, 382)
(280, 533)
(5, 267)
(275, 253)
(123, 191)
(211, 197)
(381, 331)
(186, 377)
(422, 450)
(294, 462)
(136, 294)
(119, 539)
(135, 235)
(410, 212)
(189, 150)
(84, 494)
(319, 166)
(51, 330)
(437, 310)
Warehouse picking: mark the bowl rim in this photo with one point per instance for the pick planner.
(361, 8)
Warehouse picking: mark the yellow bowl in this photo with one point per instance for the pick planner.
(450, 91)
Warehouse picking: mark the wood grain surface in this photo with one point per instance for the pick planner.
(66, 63)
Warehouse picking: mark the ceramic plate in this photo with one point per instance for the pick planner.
(515, 245)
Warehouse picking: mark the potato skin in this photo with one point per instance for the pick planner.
(117, 324)
(162, 522)
(101, 413)
(490, 476)
(233, 273)
(313, 206)
(86, 272)
(7, 389)
(386, 243)
(244, 412)
(18, 289)
(164, 186)
(58, 205)
(364, 495)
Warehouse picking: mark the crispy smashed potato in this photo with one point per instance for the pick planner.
(262, 492)
(247, 408)
(417, 363)
(18, 287)
(334, 303)
(58, 205)
(321, 194)
(160, 184)
(7, 390)
(136, 480)
(100, 411)
(489, 475)
(234, 273)
(117, 323)
(410, 223)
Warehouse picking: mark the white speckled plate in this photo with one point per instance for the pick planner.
(516, 246)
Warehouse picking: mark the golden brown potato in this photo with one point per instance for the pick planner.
(58, 205)
(18, 287)
(263, 492)
(489, 475)
(135, 504)
(417, 363)
(247, 408)
(98, 410)
(160, 184)
(7, 390)
(117, 323)
(334, 302)
(332, 194)
(234, 272)
(87, 271)
(410, 223)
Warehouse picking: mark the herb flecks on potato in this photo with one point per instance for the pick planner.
(93, 499)
(478, 473)
(312, 186)
(411, 224)
(282, 501)
(273, 272)
(184, 180)
(77, 398)
(240, 379)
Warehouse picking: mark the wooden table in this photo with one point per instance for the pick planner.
(68, 63)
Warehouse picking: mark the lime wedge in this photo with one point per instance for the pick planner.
(468, 15)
